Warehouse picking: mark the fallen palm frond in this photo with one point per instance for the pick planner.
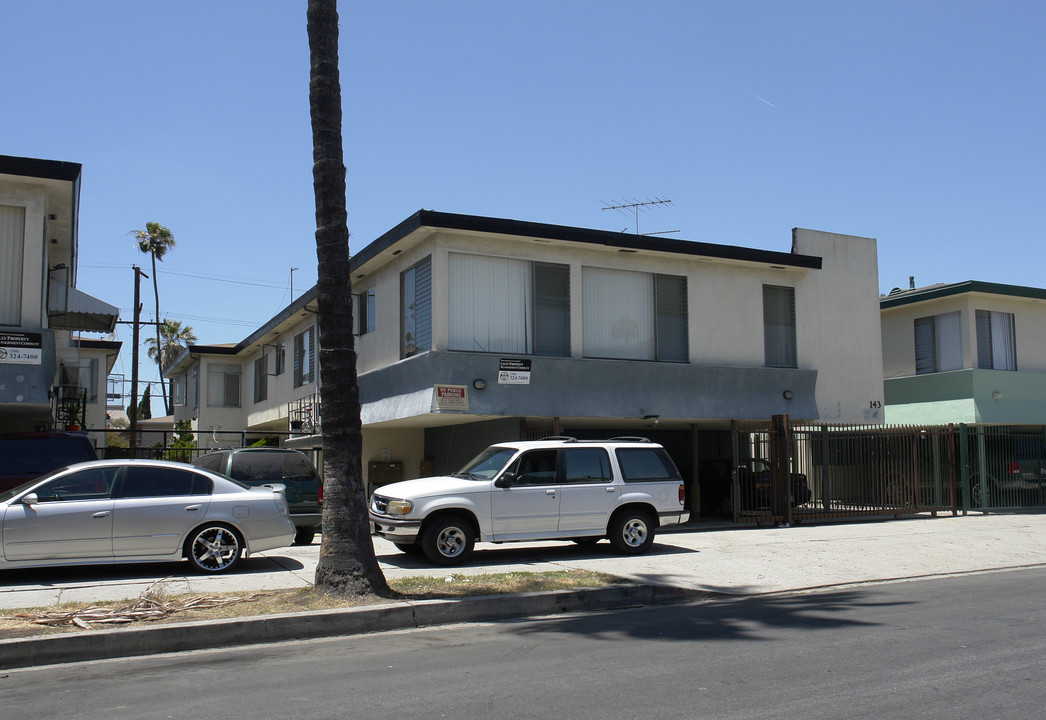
(152, 604)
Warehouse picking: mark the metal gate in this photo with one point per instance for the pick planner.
(786, 474)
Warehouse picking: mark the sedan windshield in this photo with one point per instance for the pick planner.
(487, 464)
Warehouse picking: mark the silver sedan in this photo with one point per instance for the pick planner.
(129, 511)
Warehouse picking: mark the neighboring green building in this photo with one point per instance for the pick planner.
(969, 352)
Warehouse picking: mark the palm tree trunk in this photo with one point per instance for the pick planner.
(159, 347)
(347, 565)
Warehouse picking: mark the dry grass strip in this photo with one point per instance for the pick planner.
(153, 604)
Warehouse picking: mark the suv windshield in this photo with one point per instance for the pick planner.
(487, 464)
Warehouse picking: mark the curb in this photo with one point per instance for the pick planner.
(210, 634)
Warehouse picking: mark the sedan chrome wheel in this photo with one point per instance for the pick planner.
(214, 548)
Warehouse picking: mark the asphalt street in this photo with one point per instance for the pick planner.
(947, 647)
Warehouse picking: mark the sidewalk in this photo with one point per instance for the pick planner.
(694, 560)
(723, 558)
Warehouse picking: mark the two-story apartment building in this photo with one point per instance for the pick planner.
(50, 376)
(968, 352)
(472, 330)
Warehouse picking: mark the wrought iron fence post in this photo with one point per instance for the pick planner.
(964, 467)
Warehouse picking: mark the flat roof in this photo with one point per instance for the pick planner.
(607, 238)
(34, 167)
(933, 292)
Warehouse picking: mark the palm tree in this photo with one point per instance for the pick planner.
(347, 565)
(173, 340)
(156, 240)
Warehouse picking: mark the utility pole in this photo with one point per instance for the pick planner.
(132, 410)
(292, 283)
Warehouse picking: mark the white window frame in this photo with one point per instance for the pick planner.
(996, 340)
(224, 379)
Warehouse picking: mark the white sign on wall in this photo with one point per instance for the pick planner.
(451, 397)
(18, 348)
(514, 371)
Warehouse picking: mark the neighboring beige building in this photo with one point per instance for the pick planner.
(475, 329)
(968, 352)
(50, 375)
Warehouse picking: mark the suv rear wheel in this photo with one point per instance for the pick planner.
(448, 540)
(631, 532)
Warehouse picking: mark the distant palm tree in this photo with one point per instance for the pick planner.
(347, 565)
(173, 340)
(156, 240)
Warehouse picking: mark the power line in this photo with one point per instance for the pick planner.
(214, 278)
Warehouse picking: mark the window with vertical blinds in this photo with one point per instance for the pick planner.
(223, 385)
(938, 343)
(261, 379)
(779, 326)
(12, 242)
(416, 318)
(507, 305)
(304, 358)
(631, 315)
(996, 348)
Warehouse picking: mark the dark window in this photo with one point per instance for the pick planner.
(416, 285)
(304, 358)
(551, 309)
(364, 315)
(92, 484)
(996, 349)
(213, 462)
(586, 465)
(779, 326)
(670, 299)
(260, 467)
(261, 379)
(537, 467)
(938, 346)
(639, 464)
(281, 358)
(143, 481)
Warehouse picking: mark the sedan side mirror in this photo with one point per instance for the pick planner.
(30, 499)
(505, 481)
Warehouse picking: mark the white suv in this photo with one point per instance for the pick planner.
(557, 488)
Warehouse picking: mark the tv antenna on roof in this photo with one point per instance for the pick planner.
(635, 206)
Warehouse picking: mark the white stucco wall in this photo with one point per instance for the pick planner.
(34, 253)
(838, 333)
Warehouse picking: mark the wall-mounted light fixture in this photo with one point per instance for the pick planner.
(479, 383)
(788, 394)
(996, 395)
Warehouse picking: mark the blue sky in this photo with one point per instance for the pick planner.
(919, 123)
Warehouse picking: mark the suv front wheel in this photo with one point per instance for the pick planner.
(631, 532)
(448, 540)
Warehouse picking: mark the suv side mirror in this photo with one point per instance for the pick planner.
(506, 480)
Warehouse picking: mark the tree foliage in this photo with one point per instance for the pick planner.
(156, 240)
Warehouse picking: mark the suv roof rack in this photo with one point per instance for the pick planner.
(564, 438)
(628, 438)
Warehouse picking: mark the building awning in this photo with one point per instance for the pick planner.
(71, 309)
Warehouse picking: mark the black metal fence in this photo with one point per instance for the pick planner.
(784, 474)
(180, 445)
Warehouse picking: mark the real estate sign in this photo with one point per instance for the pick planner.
(21, 348)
